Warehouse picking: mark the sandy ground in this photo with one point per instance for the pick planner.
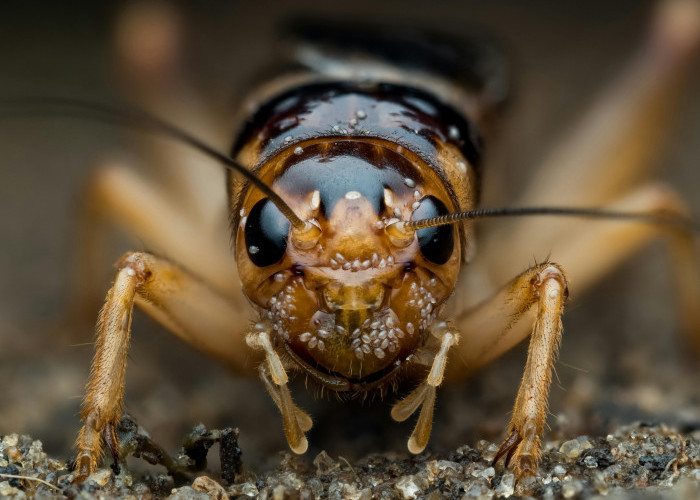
(621, 360)
(638, 461)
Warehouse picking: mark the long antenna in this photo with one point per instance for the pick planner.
(123, 115)
(591, 213)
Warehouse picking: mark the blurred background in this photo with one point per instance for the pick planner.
(621, 359)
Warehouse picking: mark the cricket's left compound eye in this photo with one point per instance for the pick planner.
(436, 243)
(266, 233)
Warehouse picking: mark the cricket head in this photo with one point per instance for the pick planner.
(352, 294)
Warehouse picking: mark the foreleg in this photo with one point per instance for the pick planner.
(185, 305)
(542, 291)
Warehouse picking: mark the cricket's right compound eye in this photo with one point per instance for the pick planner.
(266, 232)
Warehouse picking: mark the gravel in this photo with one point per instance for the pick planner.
(637, 461)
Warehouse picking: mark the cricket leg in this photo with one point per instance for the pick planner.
(185, 305)
(615, 144)
(423, 396)
(600, 246)
(547, 287)
(185, 214)
(296, 422)
(116, 194)
(490, 329)
(612, 149)
(151, 48)
(542, 291)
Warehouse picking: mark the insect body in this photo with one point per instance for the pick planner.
(351, 302)
(351, 298)
(349, 240)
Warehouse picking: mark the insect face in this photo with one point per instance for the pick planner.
(353, 302)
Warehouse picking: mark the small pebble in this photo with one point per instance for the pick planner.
(571, 489)
(407, 487)
(7, 491)
(100, 477)
(211, 487)
(572, 449)
(506, 487)
(188, 493)
(490, 452)
(13, 454)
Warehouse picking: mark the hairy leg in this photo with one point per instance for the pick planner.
(495, 326)
(187, 306)
(596, 248)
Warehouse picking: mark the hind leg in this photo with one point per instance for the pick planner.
(610, 152)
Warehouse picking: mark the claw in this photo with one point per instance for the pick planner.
(508, 447)
(109, 434)
(509, 455)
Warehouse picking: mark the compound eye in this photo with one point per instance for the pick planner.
(266, 232)
(436, 243)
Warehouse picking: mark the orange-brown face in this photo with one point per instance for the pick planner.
(353, 301)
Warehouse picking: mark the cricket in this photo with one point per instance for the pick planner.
(349, 207)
